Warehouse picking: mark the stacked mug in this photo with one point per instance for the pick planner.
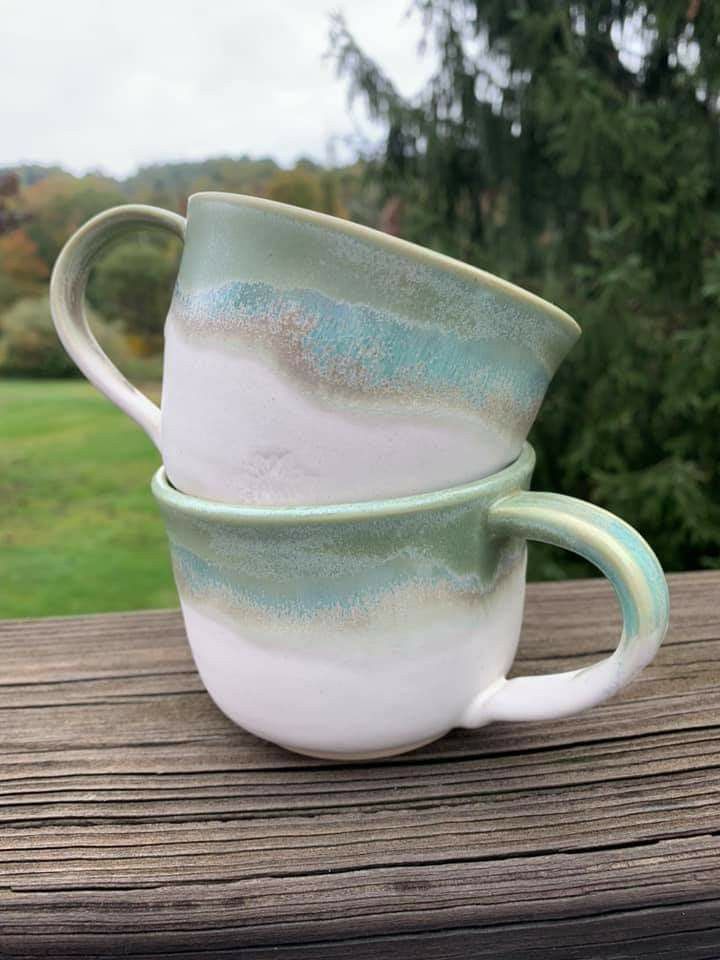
(345, 480)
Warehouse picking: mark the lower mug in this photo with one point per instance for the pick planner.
(367, 629)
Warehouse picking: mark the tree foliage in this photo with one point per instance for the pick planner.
(133, 284)
(307, 186)
(57, 205)
(29, 345)
(574, 147)
(20, 261)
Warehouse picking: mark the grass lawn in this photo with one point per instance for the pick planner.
(79, 531)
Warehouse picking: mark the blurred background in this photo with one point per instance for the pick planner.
(572, 147)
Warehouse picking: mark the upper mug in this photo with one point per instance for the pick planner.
(310, 360)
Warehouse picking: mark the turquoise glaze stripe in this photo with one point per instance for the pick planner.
(305, 570)
(362, 349)
(302, 597)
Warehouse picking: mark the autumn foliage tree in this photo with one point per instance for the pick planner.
(19, 260)
(57, 205)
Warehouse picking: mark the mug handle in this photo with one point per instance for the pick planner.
(67, 292)
(630, 566)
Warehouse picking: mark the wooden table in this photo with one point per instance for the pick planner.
(138, 821)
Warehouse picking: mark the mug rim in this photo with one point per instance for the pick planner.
(507, 479)
(464, 271)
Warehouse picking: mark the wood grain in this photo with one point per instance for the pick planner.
(135, 820)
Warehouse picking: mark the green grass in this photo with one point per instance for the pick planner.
(79, 530)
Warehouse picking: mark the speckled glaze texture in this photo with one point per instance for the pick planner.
(360, 325)
(309, 360)
(406, 371)
(366, 629)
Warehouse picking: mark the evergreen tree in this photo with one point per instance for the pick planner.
(574, 148)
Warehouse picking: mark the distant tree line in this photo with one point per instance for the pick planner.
(130, 289)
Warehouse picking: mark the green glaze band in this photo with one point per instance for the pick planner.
(340, 562)
(363, 320)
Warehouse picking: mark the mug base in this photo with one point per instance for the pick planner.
(355, 757)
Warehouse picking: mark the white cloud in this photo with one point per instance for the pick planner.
(112, 85)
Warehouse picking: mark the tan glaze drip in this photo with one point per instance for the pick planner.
(411, 609)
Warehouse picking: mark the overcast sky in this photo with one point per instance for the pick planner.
(104, 84)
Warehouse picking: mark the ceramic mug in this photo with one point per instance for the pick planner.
(368, 629)
(309, 360)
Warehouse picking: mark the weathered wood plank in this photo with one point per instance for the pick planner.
(632, 894)
(136, 820)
